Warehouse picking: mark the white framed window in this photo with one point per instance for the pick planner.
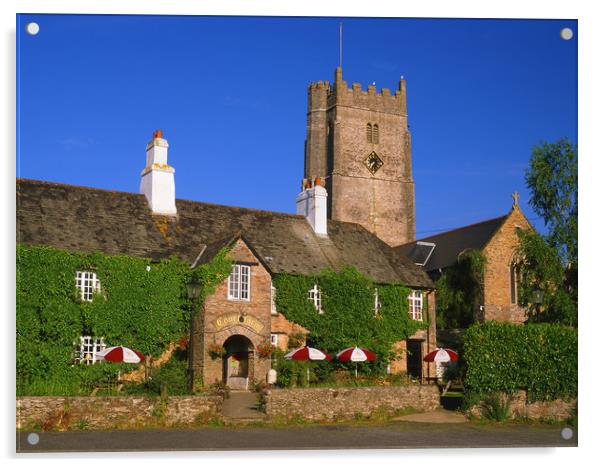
(87, 283)
(239, 283)
(377, 303)
(415, 302)
(274, 340)
(86, 350)
(273, 300)
(315, 296)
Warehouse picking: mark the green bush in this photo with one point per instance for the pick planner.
(496, 407)
(505, 357)
(171, 377)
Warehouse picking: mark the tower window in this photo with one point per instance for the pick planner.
(372, 133)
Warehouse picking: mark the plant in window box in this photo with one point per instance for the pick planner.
(183, 342)
(216, 351)
(265, 349)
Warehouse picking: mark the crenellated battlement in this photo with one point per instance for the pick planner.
(322, 94)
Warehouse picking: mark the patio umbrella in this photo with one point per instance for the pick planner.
(307, 354)
(441, 355)
(121, 354)
(356, 354)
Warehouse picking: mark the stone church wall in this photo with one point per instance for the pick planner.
(499, 253)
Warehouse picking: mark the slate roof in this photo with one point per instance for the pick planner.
(88, 219)
(448, 245)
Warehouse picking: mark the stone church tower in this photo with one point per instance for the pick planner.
(358, 143)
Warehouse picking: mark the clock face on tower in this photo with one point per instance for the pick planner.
(373, 162)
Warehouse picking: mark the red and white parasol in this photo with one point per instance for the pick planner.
(441, 355)
(307, 353)
(356, 354)
(121, 354)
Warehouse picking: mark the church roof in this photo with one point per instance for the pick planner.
(89, 219)
(449, 245)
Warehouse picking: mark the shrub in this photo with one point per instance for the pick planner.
(496, 407)
(504, 357)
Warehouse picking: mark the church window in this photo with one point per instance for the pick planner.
(375, 134)
(88, 284)
(513, 284)
(87, 349)
(239, 283)
(315, 296)
(415, 302)
(369, 132)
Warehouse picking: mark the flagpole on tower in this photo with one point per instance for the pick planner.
(341, 44)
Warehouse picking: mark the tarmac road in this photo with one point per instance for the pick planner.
(390, 435)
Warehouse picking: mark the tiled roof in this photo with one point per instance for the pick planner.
(89, 219)
(448, 245)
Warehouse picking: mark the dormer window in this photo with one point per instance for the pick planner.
(315, 296)
(88, 284)
(239, 283)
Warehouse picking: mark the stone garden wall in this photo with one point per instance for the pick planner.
(520, 407)
(63, 413)
(345, 403)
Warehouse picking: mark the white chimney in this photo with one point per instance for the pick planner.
(157, 183)
(311, 203)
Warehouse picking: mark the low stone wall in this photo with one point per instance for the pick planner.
(344, 403)
(68, 413)
(520, 407)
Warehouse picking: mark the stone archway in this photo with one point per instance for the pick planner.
(238, 363)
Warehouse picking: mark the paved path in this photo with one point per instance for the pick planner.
(242, 405)
(390, 435)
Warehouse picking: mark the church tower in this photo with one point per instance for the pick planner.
(358, 142)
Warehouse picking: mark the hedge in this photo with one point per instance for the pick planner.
(539, 358)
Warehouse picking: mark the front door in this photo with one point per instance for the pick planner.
(238, 370)
(415, 358)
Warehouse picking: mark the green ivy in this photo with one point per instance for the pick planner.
(459, 289)
(348, 317)
(539, 358)
(142, 304)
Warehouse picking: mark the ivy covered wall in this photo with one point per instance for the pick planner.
(138, 308)
(348, 318)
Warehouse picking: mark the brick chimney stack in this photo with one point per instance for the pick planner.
(157, 183)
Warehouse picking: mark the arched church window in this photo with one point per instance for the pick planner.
(514, 276)
(369, 132)
(375, 134)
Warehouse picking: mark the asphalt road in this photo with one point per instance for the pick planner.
(391, 435)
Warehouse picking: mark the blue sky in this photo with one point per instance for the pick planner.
(230, 95)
